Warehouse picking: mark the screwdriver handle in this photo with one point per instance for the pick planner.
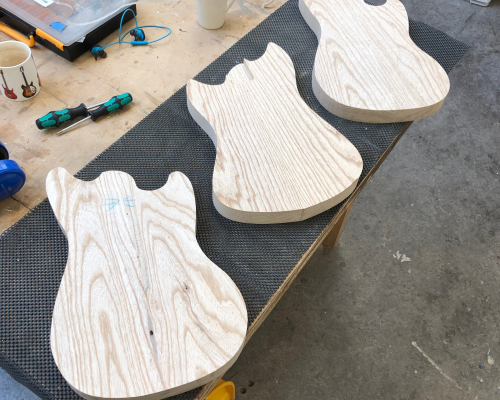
(55, 119)
(114, 104)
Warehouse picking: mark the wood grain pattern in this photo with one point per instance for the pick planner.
(337, 219)
(277, 160)
(141, 311)
(367, 68)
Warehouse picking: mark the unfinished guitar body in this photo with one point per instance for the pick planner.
(141, 312)
(277, 160)
(367, 68)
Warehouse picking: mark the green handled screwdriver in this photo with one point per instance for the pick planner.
(114, 104)
(55, 119)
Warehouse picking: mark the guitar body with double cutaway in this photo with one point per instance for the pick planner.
(141, 312)
(277, 160)
(367, 68)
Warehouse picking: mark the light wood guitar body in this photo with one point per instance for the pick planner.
(141, 312)
(277, 160)
(367, 68)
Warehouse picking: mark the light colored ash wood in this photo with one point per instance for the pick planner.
(367, 68)
(275, 298)
(141, 311)
(333, 237)
(277, 160)
(330, 241)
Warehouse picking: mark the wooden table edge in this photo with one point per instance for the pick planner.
(330, 235)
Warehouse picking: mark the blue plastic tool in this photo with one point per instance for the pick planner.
(12, 177)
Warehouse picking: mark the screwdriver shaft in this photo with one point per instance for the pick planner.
(71, 126)
(105, 108)
(96, 105)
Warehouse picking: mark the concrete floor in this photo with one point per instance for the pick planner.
(345, 329)
(408, 306)
(10, 389)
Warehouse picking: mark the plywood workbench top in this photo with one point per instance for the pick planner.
(150, 73)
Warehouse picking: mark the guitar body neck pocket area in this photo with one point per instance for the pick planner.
(141, 311)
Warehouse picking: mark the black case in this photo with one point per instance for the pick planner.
(75, 50)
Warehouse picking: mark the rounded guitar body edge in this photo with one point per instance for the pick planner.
(367, 68)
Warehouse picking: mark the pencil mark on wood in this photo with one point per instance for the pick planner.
(141, 311)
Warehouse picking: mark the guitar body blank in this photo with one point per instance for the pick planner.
(277, 160)
(141, 312)
(367, 68)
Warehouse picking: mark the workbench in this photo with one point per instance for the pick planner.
(263, 260)
(180, 57)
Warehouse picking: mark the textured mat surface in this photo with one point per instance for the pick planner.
(257, 257)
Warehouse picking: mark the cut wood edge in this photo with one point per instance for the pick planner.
(175, 391)
(257, 322)
(268, 308)
(256, 217)
(253, 217)
(371, 116)
(311, 20)
(357, 114)
(200, 119)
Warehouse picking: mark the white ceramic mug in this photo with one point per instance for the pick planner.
(211, 13)
(18, 74)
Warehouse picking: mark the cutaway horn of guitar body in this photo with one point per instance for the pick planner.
(367, 68)
(141, 312)
(277, 160)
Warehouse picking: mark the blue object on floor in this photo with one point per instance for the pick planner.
(12, 177)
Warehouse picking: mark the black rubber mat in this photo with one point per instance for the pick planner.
(257, 257)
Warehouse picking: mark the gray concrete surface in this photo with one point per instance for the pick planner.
(344, 330)
(361, 322)
(11, 390)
